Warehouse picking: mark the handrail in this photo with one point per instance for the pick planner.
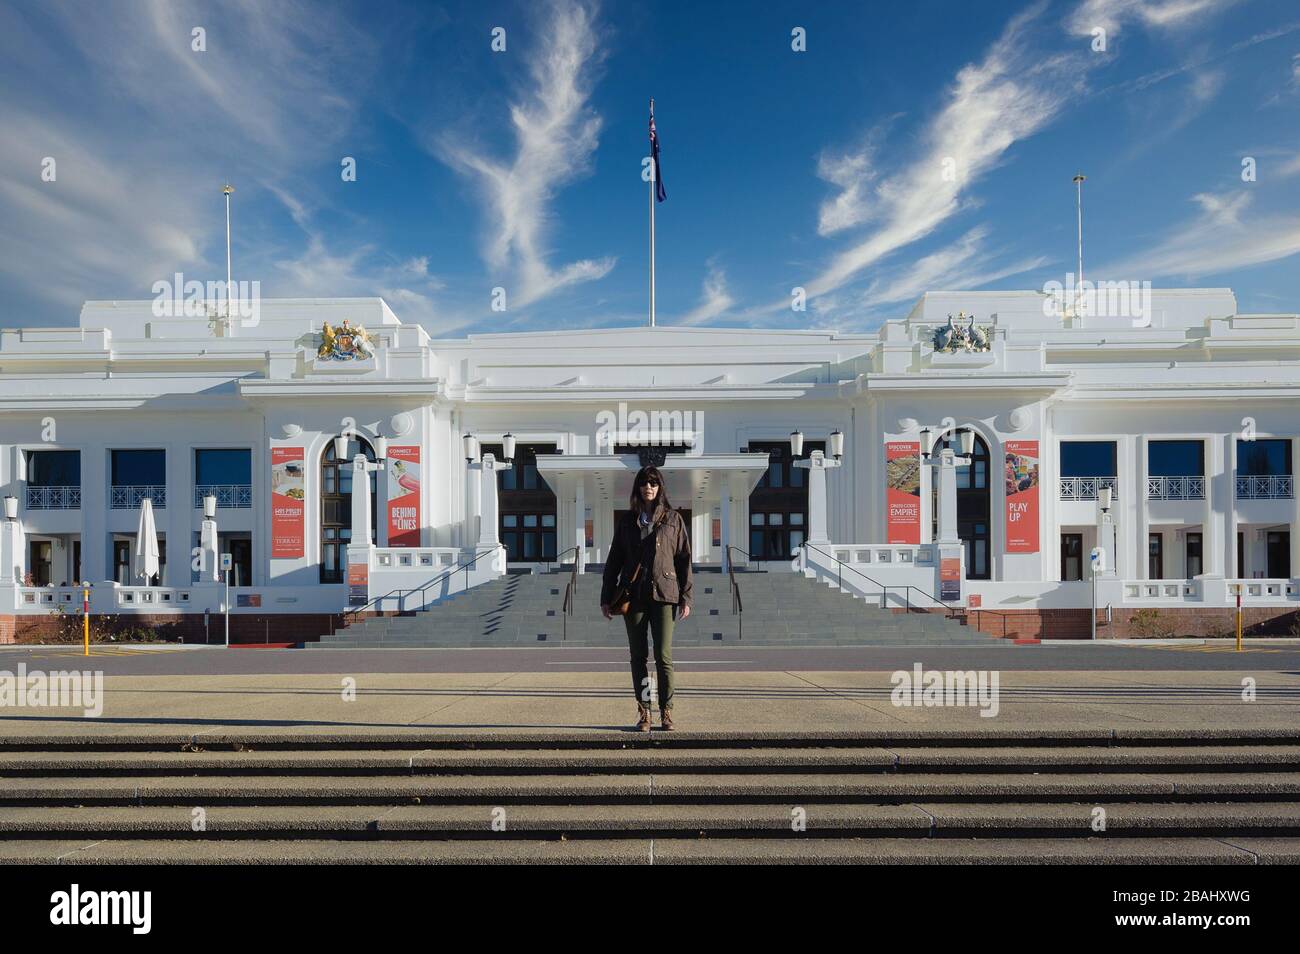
(953, 610)
(737, 604)
(570, 589)
(399, 593)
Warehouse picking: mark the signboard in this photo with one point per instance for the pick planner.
(903, 492)
(950, 579)
(404, 496)
(359, 583)
(1022, 496)
(248, 599)
(287, 502)
(974, 601)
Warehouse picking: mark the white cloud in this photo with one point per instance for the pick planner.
(556, 132)
(1010, 95)
(1221, 238)
(715, 299)
(963, 264)
(1111, 15)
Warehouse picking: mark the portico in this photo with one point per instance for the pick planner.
(601, 485)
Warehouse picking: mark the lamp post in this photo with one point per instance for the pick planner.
(817, 463)
(945, 463)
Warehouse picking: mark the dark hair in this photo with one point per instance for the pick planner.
(661, 501)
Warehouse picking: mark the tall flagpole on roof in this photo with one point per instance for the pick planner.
(1078, 206)
(226, 190)
(654, 174)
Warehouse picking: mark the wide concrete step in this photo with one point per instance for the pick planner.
(662, 761)
(923, 820)
(808, 850)
(633, 788)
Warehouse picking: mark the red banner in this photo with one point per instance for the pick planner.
(404, 496)
(287, 503)
(1022, 496)
(903, 491)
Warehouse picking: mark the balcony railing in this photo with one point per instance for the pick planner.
(1265, 488)
(130, 497)
(233, 496)
(1087, 488)
(53, 498)
(1175, 488)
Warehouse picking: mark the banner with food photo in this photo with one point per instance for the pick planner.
(287, 502)
(1022, 496)
(404, 496)
(903, 491)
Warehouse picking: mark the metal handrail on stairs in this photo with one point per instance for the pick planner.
(570, 589)
(400, 593)
(737, 604)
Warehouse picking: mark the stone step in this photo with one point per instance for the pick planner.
(631, 788)
(707, 851)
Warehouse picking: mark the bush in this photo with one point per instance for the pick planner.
(1149, 624)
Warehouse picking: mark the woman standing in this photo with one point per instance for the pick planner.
(651, 557)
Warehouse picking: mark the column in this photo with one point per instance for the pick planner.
(948, 498)
(927, 496)
(580, 524)
(1295, 512)
(724, 538)
(1217, 452)
(1142, 525)
(94, 514)
(488, 519)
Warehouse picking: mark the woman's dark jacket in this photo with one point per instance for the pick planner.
(665, 555)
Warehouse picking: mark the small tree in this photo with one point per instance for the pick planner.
(1150, 624)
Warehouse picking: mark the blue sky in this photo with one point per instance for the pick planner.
(911, 146)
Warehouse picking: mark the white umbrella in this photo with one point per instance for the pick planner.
(146, 543)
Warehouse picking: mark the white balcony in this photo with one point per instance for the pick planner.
(53, 498)
(1176, 488)
(130, 497)
(1279, 487)
(1087, 488)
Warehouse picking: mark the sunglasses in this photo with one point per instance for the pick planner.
(651, 482)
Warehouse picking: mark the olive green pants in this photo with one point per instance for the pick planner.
(658, 619)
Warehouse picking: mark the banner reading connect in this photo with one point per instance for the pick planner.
(1022, 496)
(287, 505)
(404, 496)
(903, 491)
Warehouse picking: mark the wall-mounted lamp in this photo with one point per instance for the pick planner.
(209, 506)
(796, 443)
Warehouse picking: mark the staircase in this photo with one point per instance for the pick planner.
(780, 609)
(1228, 796)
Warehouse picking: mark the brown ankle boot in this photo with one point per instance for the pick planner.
(666, 720)
(643, 722)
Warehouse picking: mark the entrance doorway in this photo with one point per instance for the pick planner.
(336, 507)
(526, 522)
(778, 506)
(1279, 555)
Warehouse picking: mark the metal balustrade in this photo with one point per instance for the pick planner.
(1087, 488)
(1176, 488)
(229, 496)
(1265, 488)
(128, 497)
(53, 498)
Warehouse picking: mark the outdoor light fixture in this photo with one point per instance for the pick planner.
(381, 447)
(927, 442)
(11, 507)
(471, 447)
(508, 446)
(967, 442)
(209, 506)
(341, 448)
(796, 443)
(1104, 498)
(837, 444)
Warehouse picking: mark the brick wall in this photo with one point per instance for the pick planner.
(1173, 622)
(187, 627)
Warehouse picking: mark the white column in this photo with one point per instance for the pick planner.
(94, 514)
(1217, 453)
(817, 464)
(360, 500)
(948, 498)
(927, 506)
(1295, 512)
(11, 552)
(580, 524)
(211, 562)
(487, 523)
(1142, 526)
(724, 520)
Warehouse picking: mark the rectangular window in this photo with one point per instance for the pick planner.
(1088, 459)
(1176, 459)
(1071, 557)
(223, 467)
(54, 468)
(1194, 560)
(1264, 458)
(139, 468)
(1155, 557)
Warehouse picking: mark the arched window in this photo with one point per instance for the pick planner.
(336, 507)
(974, 524)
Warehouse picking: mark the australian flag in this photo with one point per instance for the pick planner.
(660, 194)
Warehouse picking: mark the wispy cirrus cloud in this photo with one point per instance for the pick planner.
(965, 263)
(715, 299)
(1111, 15)
(556, 132)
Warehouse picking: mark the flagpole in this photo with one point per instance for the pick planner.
(654, 173)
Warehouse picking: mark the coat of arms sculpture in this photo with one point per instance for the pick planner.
(958, 338)
(345, 343)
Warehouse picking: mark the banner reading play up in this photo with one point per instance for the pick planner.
(1022, 496)
(287, 501)
(404, 496)
(903, 491)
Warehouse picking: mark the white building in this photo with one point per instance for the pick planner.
(1189, 413)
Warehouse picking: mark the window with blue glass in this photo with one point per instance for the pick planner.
(1176, 458)
(223, 466)
(1088, 459)
(1264, 458)
(54, 468)
(139, 468)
